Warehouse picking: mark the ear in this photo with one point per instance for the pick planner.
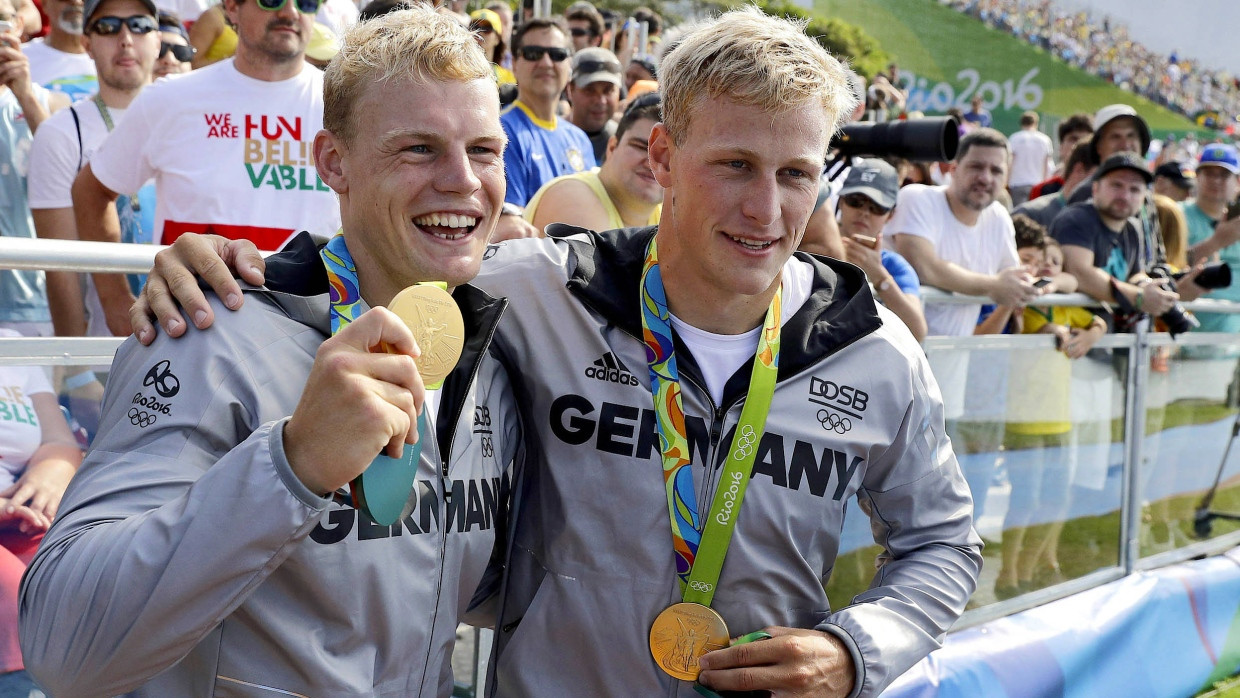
(230, 10)
(329, 152)
(661, 150)
(85, 39)
(611, 145)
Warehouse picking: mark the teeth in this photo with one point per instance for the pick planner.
(446, 220)
(749, 244)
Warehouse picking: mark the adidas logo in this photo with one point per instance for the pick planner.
(608, 368)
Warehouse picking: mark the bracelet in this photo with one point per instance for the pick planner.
(79, 380)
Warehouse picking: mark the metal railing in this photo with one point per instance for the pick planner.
(1138, 347)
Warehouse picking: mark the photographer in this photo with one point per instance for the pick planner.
(1107, 253)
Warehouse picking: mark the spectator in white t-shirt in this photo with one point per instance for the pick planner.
(58, 61)
(1032, 158)
(229, 147)
(124, 53)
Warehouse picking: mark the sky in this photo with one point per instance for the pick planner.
(1204, 30)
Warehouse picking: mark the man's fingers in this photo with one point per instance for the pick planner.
(244, 258)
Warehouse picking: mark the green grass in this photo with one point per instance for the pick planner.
(937, 42)
(1229, 688)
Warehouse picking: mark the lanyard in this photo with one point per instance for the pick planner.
(700, 548)
(103, 112)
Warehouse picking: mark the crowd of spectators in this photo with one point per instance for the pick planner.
(1104, 47)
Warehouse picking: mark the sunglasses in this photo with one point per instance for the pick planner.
(535, 53)
(863, 201)
(306, 7)
(579, 31)
(589, 67)
(182, 53)
(137, 24)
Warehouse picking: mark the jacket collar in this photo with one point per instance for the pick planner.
(839, 311)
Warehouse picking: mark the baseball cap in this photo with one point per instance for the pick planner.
(1112, 112)
(323, 43)
(1220, 155)
(491, 17)
(1124, 161)
(92, 6)
(874, 178)
(1179, 175)
(595, 65)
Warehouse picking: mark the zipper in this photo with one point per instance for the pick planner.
(444, 458)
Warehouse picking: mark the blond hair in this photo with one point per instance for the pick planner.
(414, 44)
(756, 60)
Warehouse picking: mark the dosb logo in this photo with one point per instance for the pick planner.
(837, 395)
(608, 368)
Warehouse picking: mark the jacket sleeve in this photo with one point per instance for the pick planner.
(183, 507)
(921, 513)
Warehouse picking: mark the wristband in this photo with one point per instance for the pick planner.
(1140, 298)
(79, 380)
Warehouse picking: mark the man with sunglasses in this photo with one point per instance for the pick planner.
(122, 38)
(541, 146)
(175, 51)
(229, 146)
(585, 24)
(865, 204)
(594, 93)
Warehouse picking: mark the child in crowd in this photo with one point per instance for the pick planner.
(1037, 434)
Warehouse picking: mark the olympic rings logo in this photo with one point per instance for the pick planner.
(140, 418)
(697, 585)
(745, 443)
(833, 422)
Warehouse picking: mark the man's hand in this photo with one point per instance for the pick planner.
(1081, 341)
(14, 66)
(359, 401)
(794, 662)
(173, 282)
(1013, 286)
(23, 519)
(38, 490)
(1156, 299)
(1227, 232)
(869, 259)
(512, 227)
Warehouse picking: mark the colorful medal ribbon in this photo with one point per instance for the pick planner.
(382, 490)
(700, 549)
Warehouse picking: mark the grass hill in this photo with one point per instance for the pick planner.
(941, 46)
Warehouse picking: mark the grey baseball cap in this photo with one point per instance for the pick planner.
(876, 179)
(93, 5)
(595, 65)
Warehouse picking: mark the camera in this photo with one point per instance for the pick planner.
(1213, 275)
(932, 139)
(1178, 320)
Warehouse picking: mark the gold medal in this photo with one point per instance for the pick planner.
(435, 320)
(681, 634)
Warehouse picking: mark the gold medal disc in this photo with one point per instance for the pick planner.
(681, 634)
(435, 320)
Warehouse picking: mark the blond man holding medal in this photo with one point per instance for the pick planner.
(700, 402)
(303, 499)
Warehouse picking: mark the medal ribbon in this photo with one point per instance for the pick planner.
(345, 302)
(700, 548)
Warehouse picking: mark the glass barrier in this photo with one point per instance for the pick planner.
(1040, 440)
(1190, 405)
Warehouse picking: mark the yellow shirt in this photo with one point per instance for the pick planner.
(590, 179)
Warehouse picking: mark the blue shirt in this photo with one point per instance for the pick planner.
(23, 295)
(1200, 227)
(902, 272)
(539, 151)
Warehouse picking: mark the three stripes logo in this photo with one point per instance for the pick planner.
(608, 368)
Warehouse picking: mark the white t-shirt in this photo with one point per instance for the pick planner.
(1032, 157)
(337, 15)
(721, 355)
(20, 434)
(187, 10)
(70, 73)
(986, 248)
(229, 154)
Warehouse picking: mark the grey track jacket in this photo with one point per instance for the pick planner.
(188, 560)
(855, 412)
